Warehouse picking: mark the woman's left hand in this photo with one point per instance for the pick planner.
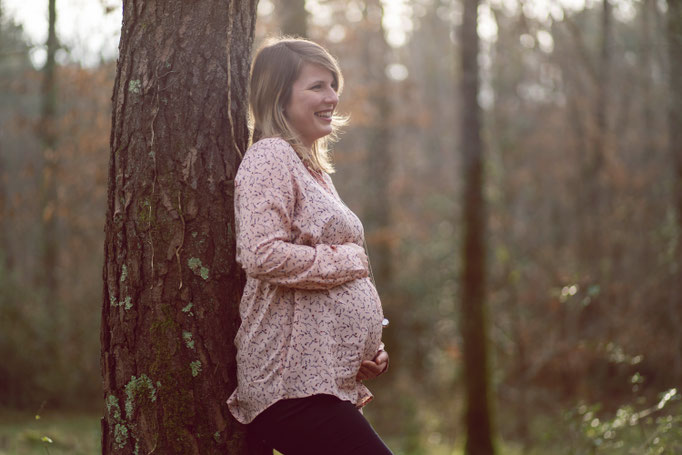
(370, 369)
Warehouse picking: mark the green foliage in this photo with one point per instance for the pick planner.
(654, 430)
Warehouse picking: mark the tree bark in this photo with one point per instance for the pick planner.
(674, 32)
(171, 283)
(479, 440)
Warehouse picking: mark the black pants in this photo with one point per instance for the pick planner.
(315, 425)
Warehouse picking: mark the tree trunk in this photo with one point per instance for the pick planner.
(48, 135)
(479, 440)
(171, 283)
(674, 31)
(647, 81)
(594, 199)
(379, 163)
(294, 17)
(5, 254)
(4, 250)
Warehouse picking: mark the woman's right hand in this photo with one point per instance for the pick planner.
(370, 369)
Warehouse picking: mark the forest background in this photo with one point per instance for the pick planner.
(583, 234)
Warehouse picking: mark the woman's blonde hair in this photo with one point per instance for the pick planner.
(275, 68)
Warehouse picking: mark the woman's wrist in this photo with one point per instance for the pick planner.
(358, 259)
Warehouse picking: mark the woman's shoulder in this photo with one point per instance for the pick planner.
(270, 147)
(269, 155)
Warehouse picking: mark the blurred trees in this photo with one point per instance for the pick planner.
(50, 353)
(569, 328)
(172, 286)
(583, 278)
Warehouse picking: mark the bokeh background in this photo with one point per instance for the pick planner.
(583, 295)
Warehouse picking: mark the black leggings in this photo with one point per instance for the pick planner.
(319, 424)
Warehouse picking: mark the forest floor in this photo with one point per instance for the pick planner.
(70, 433)
(21, 433)
(62, 433)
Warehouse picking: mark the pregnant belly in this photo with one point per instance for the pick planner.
(356, 326)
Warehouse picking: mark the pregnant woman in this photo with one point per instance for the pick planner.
(311, 317)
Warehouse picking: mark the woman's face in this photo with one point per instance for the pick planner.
(312, 103)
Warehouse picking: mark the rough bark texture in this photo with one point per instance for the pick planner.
(171, 284)
(479, 439)
(674, 31)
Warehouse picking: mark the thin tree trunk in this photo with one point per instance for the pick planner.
(294, 17)
(171, 283)
(379, 162)
(479, 440)
(594, 198)
(48, 134)
(5, 253)
(674, 32)
(647, 82)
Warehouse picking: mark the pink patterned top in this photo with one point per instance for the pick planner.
(310, 315)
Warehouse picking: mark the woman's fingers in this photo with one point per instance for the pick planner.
(370, 369)
(362, 375)
(381, 357)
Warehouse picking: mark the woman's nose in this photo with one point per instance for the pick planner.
(332, 97)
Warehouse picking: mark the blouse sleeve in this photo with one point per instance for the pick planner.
(265, 198)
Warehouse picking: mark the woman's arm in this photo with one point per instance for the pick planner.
(264, 204)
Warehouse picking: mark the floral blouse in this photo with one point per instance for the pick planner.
(310, 314)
